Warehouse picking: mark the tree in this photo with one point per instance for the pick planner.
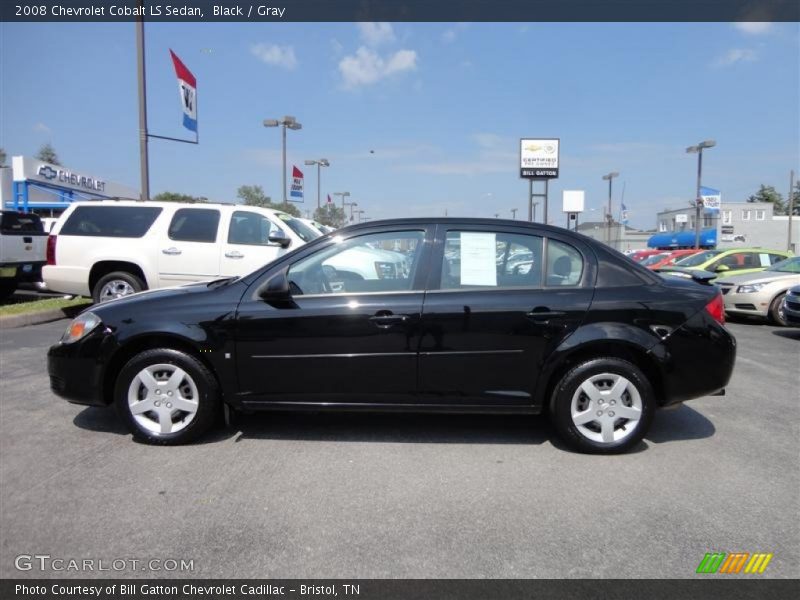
(331, 215)
(2, 157)
(796, 199)
(48, 154)
(176, 197)
(767, 193)
(288, 207)
(253, 195)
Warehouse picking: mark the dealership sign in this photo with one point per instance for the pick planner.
(711, 199)
(297, 185)
(538, 158)
(35, 171)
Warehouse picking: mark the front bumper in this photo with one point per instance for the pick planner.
(76, 373)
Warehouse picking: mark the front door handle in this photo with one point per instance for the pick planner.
(171, 251)
(234, 254)
(541, 314)
(385, 320)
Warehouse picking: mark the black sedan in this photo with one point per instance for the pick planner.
(462, 315)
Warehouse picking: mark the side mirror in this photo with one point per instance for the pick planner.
(276, 288)
(279, 237)
(722, 268)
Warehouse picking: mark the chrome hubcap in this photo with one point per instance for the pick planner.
(163, 398)
(116, 288)
(606, 408)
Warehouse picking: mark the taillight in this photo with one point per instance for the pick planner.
(716, 308)
(51, 249)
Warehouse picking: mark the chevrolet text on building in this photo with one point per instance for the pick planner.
(65, 176)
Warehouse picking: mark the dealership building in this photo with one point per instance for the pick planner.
(31, 185)
(736, 225)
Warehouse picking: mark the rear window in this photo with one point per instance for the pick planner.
(110, 221)
(13, 223)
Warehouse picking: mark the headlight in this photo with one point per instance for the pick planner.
(80, 327)
(750, 288)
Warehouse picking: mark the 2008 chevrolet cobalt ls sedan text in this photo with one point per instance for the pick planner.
(461, 315)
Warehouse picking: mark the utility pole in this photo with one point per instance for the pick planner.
(791, 208)
(609, 215)
(144, 162)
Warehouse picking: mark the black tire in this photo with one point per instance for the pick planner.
(208, 401)
(567, 388)
(775, 312)
(7, 289)
(135, 283)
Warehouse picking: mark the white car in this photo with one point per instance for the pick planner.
(112, 248)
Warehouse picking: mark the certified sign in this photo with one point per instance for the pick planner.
(538, 158)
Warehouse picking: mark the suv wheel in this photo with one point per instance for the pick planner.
(603, 406)
(776, 310)
(167, 397)
(116, 285)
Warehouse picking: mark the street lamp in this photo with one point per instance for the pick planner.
(286, 122)
(610, 215)
(514, 213)
(343, 195)
(359, 214)
(351, 205)
(322, 162)
(698, 202)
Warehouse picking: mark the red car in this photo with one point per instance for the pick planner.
(640, 255)
(666, 258)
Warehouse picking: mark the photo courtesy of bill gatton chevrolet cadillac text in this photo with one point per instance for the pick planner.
(458, 315)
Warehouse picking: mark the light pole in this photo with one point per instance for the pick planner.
(292, 124)
(351, 205)
(322, 162)
(610, 215)
(514, 213)
(359, 214)
(698, 149)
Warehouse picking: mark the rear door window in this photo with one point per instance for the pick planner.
(111, 221)
(194, 225)
(564, 264)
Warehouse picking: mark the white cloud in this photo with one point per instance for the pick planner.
(272, 54)
(375, 34)
(754, 27)
(41, 128)
(736, 55)
(449, 35)
(366, 66)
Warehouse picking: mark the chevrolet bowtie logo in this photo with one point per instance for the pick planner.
(47, 172)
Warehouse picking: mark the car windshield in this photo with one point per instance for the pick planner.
(651, 260)
(697, 259)
(305, 232)
(788, 265)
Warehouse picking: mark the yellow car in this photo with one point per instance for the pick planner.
(725, 263)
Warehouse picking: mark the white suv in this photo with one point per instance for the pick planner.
(111, 248)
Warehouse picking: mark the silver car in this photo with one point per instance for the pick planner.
(761, 294)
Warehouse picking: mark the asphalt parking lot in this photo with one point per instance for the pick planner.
(354, 495)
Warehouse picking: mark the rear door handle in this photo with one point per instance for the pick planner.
(171, 251)
(384, 320)
(234, 254)
(542, 315)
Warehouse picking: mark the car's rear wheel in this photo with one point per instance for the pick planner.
(116, 285)
(776, 310)
(603, 406)
(167, 397)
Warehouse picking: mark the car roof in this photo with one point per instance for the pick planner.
(488, 222)
(162, 204)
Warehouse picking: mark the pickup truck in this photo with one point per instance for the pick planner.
(23, 250)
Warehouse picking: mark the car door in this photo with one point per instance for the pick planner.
(190, 252)
(349, 332)
(499, 301)
(247, 246)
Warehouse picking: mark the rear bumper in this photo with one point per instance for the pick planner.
(67, 280)
(697, 360)
(21, 272)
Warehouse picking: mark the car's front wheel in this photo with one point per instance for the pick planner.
(776, 310)
(167, 397)
(603, 406)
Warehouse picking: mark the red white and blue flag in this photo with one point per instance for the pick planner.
(187, 90)
(297, 184)
(329, 199)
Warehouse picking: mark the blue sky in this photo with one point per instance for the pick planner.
(442, 105)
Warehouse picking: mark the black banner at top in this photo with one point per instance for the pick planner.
(400, 10)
